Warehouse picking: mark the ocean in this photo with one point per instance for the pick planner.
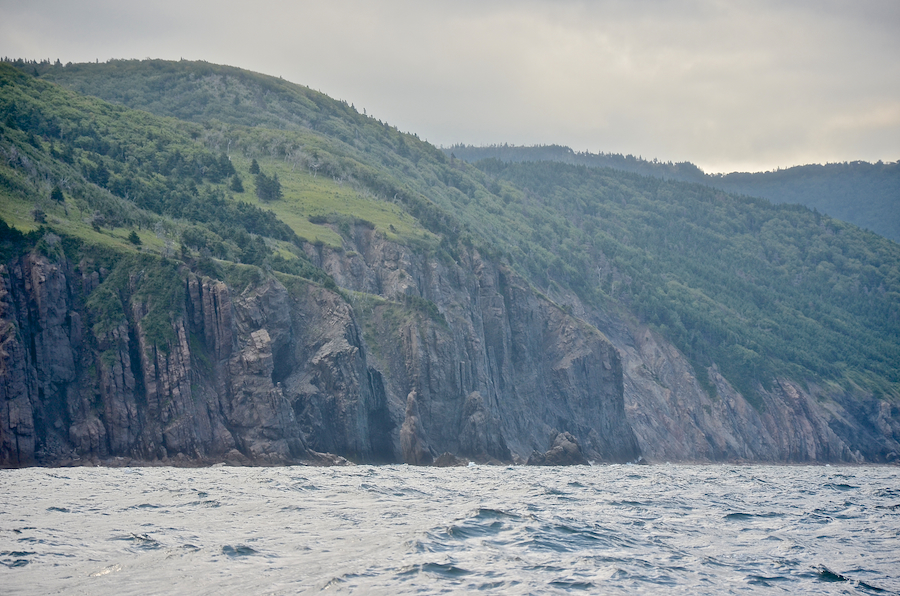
(617, 529)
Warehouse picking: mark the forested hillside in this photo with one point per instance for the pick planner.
(238, 236)
(864, 194)
(762, 290)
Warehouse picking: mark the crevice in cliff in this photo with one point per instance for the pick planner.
(32, 346)
(134, 356)
(381, 426)
(282, 362)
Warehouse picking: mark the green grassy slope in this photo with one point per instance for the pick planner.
(761, 290)
(200, 91)
(128, 169)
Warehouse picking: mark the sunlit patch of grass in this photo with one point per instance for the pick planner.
(283, 249)
(308, 194)
(69, 220)
(17, 213)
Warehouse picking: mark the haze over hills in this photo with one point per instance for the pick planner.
(861, 193)
(205, 262)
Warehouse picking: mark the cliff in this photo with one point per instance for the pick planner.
(672, 416)
(480, 364)
(675, 419)
(275, 374)
(420, 356)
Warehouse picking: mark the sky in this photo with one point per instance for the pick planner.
(727, 85)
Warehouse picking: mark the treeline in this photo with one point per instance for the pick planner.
(862, 193)
(684, 171)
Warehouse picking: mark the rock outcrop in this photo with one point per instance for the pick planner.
(240, 377)
(494, 365)
(676, 419)
(472, 362)
(564, 451)
(547, 354)
(414, 447)
(481, 438)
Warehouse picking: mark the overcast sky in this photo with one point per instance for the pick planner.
(727, 85)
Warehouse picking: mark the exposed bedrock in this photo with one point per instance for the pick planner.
(675, 419)
(421, 359)
(534, 364)
(239, 374)
(477, 363)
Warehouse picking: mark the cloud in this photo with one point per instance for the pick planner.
(722, 84)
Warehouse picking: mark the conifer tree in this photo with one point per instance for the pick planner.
(268, 189)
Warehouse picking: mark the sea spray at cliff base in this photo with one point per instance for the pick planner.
(617, 529)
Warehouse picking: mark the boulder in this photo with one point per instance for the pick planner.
(564, 451)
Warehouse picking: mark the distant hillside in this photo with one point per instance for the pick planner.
(861, 193)
(716, 262)
(684, 171)
(864, 194)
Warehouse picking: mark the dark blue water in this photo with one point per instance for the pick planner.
(397, 529)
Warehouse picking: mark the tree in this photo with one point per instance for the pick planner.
(268, 189)
(254, 167)
(275, 187)
(57, 195)
(134, 238)
(237, 185)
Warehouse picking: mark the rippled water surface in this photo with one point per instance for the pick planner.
(398, 529)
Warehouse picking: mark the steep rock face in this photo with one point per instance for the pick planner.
(539, 369)
(675, 419)
(414, 447)
(424, 360)
(48, 390)
(17, 432)
(494, 367)
(535, 366)
(338, 398)
(241, 374)
(481, 437)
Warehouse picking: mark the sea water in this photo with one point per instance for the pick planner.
(666, 529)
